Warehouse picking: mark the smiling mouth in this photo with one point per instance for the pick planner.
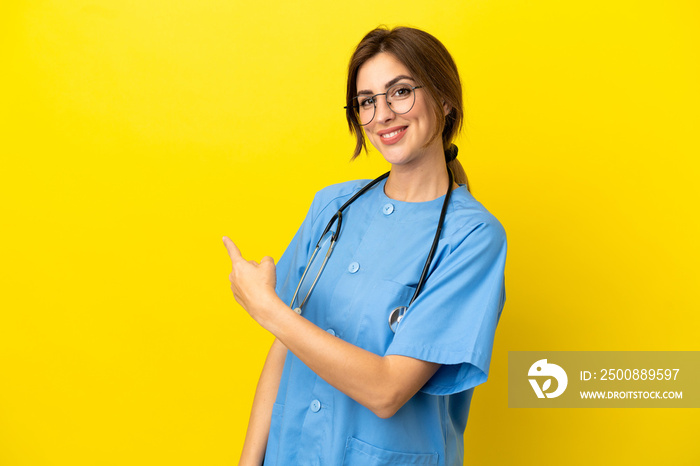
(393, 133)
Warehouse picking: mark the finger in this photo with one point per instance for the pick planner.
(233, 252)
(267, 259)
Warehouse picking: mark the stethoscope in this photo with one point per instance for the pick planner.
(398, 313)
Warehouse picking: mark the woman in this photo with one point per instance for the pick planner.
(376, 358)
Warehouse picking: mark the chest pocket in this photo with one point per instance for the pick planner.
(371, 310)
(359, 453)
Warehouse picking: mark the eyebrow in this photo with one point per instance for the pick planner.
(389, 84)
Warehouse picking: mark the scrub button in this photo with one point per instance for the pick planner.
(315, 406)
(388, 209)
(297, 310)
(353, 267)
(331, 331)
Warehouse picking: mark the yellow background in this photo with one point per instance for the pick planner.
(135, 134)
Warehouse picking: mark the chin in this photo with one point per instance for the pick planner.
(392, 154)
(397, 160)
(398, 156)
(395, 157)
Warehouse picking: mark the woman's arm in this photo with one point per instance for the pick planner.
(382, 384)
(261, 412)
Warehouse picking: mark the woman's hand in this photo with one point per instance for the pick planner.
(253, 284)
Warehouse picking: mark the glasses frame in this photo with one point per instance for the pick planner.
(374, 97)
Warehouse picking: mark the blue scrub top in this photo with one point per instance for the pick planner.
(374, 268)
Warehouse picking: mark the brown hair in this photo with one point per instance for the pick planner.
(430, 64)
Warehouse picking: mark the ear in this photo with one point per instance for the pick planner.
(446, 108)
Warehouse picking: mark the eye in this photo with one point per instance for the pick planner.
(365, 102)
(401, 91)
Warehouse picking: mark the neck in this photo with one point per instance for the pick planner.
(423, 180)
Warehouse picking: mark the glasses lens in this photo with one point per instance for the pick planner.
(365, 108)
(401, 98)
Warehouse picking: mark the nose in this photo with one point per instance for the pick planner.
(382, 110)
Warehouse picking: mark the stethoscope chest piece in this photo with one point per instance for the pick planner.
(396, 316)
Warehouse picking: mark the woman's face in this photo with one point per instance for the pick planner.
(401, 139)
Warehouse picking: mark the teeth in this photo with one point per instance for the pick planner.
(392, 134)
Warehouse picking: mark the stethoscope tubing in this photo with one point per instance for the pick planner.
(334, 238)
(323, 265)
(339, 217)
(436, 239)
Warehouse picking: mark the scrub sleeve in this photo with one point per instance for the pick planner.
(453, 320)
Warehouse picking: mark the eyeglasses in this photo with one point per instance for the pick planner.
(399, 97)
